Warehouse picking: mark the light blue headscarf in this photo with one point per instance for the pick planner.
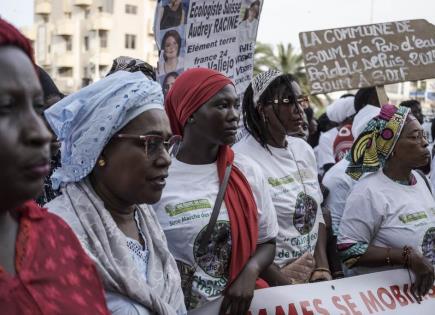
(85, 121)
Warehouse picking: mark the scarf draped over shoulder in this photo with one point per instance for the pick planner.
(107, 246)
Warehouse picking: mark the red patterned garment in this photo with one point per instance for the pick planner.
(53, 273)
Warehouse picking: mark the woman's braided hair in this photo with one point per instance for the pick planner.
(252, 120)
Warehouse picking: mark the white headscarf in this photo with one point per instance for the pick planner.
(261, 81)
(361, 119)
(341, 109)
(86, 120)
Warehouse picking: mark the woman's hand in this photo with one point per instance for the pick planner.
(424, 274)
(238, 296)
(320, 275)
(300, 270)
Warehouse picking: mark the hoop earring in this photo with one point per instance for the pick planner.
(101, 162)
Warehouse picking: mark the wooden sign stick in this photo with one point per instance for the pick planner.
(382, 95)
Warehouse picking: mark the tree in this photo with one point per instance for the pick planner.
(285, 59)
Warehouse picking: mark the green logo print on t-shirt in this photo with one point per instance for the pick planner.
(187, 206)
(411, 217)
(274, 182)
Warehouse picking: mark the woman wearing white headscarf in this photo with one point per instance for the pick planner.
(115, 139)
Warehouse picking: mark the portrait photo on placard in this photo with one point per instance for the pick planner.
(167, 80)
(250, 13)
(171, 13)
(171, 51)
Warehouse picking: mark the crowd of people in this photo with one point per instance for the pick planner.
(120, 200)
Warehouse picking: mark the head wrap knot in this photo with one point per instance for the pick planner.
(374, 145)
(191, 90)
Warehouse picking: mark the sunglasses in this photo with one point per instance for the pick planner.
(302, 101)
(153, 144)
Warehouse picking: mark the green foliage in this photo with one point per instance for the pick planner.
(285, 59)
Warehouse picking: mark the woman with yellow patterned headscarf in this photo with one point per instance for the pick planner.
(372, 148)
(389, 217)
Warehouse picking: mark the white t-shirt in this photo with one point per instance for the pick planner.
(299, 212)
(184, 212)
(325, 149)
(383, 213)
(339, 185)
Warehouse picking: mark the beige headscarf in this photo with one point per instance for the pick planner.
(104, 242)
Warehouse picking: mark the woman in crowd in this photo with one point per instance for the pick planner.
(51, 96)
(388, 220)
(168, 81)
(171, 15)
(171, 46)
(273, 115)
(43, 269)
(312, 127)
(115, 136)
(202, 106)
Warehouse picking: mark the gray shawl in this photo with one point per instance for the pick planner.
(104, 242)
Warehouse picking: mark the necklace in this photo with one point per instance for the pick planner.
(289, 149)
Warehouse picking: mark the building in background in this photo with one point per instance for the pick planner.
(75, 41)
(422, 91)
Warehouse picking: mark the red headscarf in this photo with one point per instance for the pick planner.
(9, 35)
(190, 91)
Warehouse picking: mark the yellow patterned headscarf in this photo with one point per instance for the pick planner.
(372, 148)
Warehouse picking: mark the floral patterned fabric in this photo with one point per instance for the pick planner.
(53, 273)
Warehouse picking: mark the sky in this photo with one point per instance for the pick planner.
(282, 20)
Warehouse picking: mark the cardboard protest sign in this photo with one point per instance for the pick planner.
(218, 34)
(368, 55)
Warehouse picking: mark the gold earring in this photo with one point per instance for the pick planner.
(101, 162)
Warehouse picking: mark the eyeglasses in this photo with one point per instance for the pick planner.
(302, 101)
(154, 143)
(418, 136)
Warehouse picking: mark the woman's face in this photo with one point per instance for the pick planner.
(168, 83)
(175, 2)
(24, 140)
(288, 116)
(55, 144)
(217, 120)
(171, 48)
(130, 174)
(411, 148)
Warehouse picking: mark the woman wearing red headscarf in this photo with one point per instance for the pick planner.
(43, 268)
(202, 106)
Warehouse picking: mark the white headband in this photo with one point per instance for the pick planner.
(261, 81)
